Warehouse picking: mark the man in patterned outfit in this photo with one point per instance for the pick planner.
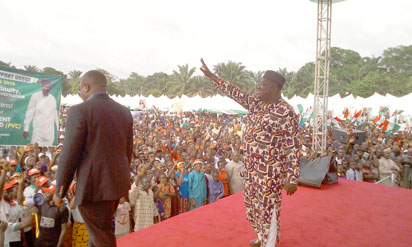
(272, 148)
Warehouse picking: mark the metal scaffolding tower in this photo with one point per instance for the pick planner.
(321, 87)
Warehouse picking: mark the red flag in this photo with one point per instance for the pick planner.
(357, 114)
(377, 118)
(338, 119)
(384, 125)
(346, 115)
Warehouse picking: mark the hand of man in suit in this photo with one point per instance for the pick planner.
(290, 188)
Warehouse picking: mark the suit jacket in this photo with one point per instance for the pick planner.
(97, 147)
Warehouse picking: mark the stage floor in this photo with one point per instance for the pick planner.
(345, 214)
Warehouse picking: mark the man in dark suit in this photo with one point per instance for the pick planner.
(97, 147)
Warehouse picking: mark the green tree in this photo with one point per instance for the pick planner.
(159, 81)
(235, 73)
(288, 77)
(255, 78)
(302, 81)
(113, 85)
(398, 59)
(200, 85)
(344, 68)
(366, 86)
(184, 75)
(4, 64)
(134, 84)
(74, 81)
(31, 68)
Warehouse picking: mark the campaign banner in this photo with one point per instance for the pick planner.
(29, 107)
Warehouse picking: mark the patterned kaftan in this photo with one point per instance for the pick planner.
(272, 148)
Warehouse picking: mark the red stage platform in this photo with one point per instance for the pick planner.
(345, 214)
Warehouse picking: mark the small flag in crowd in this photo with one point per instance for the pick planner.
(300, 108)
(336, 121)
(389, 126)
(377, 119)
(357, 116)
(346, 114)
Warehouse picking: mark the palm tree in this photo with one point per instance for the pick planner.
(32, 68)
(368, 64)
(200, 85)
(74, 74)
(184, 75)
(255, 77)
(234, 73)
(74, 81)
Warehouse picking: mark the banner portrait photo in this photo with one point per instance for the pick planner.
(29, 107)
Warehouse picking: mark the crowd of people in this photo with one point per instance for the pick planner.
(181, 161)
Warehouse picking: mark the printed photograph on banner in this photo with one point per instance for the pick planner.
(29, 107)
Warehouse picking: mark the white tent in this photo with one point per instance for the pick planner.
(225, 104)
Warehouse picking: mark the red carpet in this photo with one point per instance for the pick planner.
(345, 214)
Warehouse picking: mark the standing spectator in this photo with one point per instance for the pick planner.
(216, 189)
(197, 186)
(166, 191)
(80, 235)
(386, 167)
(122, 218)
(353, 172)
(10, 211)
(52, 222)
(183, 182)
(142, 201)
(223, 177)
(234, 170)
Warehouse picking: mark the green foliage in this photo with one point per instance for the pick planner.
(235, 73)
(32, 68)
(349, 73)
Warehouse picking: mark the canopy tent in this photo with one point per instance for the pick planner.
(222, 104)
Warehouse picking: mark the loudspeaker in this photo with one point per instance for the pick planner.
(341, 135)
(314, 172)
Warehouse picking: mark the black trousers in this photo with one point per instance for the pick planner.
(98, 217)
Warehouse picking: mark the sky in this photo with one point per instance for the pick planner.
(151, 36)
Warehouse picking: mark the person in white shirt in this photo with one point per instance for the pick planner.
(122, 218)
(353, 172)
(10, 211)
(234, 169)
(387, 167)
(42, 111)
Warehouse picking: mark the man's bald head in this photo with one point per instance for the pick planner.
(94, 78)
(92, 82)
